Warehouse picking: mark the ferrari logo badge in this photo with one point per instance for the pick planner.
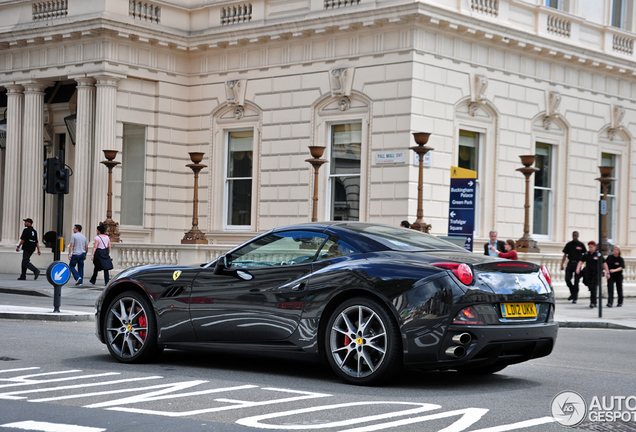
(176, 275)
(359, 341)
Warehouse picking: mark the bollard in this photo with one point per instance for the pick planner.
(58, 274)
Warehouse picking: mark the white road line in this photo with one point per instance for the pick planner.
(122, 381)
(18, 370)
(308, 395)
(519, 425)
(31, 425)
(255, 420)
(469, 416)
(34, 382)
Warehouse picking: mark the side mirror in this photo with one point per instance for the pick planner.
(223, 263)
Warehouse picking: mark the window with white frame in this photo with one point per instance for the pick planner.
(608, 159)
(345, 171)
(543, 190)
(133, 171)
(468, 158)
(238, 178)
(563, 5)
(621, 11)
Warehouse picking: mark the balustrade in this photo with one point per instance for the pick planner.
(144, 11)
(487, 7)
(236, 14)
(47, 10)
(623, 44)
(559, 26)
(333, 4)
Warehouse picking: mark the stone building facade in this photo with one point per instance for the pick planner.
(253, 84)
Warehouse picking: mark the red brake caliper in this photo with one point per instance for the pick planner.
(142, 323)
(347, 341)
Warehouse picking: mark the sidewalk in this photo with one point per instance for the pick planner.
(567, 314)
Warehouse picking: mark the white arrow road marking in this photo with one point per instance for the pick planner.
(59, 274)
(255, 420)
(12, 395)
(238, 404)
(18, 370)
(50, 427)
(519, 425)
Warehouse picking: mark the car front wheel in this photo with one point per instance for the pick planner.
(130, 328)
(362, 342)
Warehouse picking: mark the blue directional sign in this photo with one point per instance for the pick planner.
(58, 273)
(461, 209)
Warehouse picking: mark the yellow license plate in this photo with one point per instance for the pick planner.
(518, 310)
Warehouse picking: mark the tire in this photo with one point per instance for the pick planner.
(363, 355)
(130, 328)
(484, 370)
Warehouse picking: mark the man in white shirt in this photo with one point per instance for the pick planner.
(497, 244)
(77, 254)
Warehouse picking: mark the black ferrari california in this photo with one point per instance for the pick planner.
(367, 299)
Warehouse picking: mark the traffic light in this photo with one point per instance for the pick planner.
(50, 166)
(61, 179)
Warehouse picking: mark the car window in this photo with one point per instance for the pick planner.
(281, 248)
(334, 248)
(403, 239)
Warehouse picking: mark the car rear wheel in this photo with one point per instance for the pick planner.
(362, 342)
(130, 328)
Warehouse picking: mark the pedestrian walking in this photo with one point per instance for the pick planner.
(499, 245)
(616, 265)
(28, 243)
(573, 250)
(591, 276)
(101, 255)
(77, 254)
(405, 224)
(510, 252)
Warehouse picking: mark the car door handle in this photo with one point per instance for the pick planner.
(299, 286)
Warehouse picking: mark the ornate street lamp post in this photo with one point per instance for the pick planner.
(195, 236)
(527, 243)
(109, 223)
(421, 138)
(316, 162)
(603, 247)
(605, 179)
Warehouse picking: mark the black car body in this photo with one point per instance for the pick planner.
(366, 298)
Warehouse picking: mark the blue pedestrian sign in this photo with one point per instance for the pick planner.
(461, 208)
(58, 273)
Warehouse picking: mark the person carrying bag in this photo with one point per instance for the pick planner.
(101, 255)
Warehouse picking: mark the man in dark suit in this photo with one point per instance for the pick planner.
(498, 244)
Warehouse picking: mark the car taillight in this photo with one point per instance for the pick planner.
(468, 316)
(463, 272)
(546, 275)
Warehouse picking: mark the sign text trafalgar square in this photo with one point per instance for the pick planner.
(461, 209)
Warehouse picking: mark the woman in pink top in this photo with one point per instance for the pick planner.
(101, 255)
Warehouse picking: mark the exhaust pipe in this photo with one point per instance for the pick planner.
(462, 339)
(456, 351)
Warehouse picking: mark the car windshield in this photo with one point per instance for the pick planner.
(402, 239)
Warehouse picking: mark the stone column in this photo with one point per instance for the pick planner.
(11, 221)
(84, 141)
(105, 139)
(31, 192)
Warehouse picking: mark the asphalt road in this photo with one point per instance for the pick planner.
(59, 373)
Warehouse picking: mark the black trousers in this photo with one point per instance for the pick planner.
(618, 280)
(569, 271)
(26, 263)
(593, 286)
(94, 277)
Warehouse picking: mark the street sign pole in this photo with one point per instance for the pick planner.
(58, 274)
(461, 208)
(602, 210)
